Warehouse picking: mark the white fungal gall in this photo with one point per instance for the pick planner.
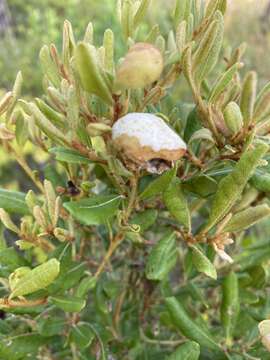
(144, 137)
(142, 65)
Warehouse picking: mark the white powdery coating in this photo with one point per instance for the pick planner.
(150, 130)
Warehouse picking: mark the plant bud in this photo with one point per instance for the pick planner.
(233, 118)
(146, 137)
(142, 66)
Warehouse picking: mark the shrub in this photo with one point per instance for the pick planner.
(132, 243)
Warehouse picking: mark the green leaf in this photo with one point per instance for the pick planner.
(95, 210)
(145, 219)
(202, 263)
(232, 186)
(82, 335)
(140, 13)
(206, 56)
(48, 66)
(262, 107)
(248, 96)
(55, 117)
(69, 156)
(162, 258)
(21, 128)
(108, 43)
(201, 185)
(188, 351)
(13, 202)
(127, 19)
(10, 258)
(91, 74)
(176, 203)
(38, 278)
(187, 326)
(223, 82)
(247, 218)
(214, 5)
(261, 180)
(47, 126)
(192, 124)
(86, 284)
(182, 11)
(20, 346)
(158, 185)
(230, 304)
(51, 326)
(68, 303)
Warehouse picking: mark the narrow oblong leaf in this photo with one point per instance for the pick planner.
(82, 335)
(13, 202)
(202, 263)
(176, 203)
(48, 66)
(89, 33)
(158, 185)
(69, 155)
(214, 5)
(68, 303)
(230, 304)
(247, 218)
(140, 13)
(248, 96)
(86, 284)
(38, 278)
(261, 181)
(231, 187)
(127, 19)
(223, 82)
(187, 326)
(262, 107)
(188, 351)
(182, 10)
(162, 258)
(95, 210)
(91, 74)
(206, 56)
(46, 125)
(108, 44)
(181, 35)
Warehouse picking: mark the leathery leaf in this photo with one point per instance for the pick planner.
(187, 326)
(162, 258)
(95, 210)
(247, 218)
(202, 263)
(176, 203)
(188, 351)
(92, 76)
(230, 304)
(231, 187)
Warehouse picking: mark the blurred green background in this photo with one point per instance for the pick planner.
(26, 25)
